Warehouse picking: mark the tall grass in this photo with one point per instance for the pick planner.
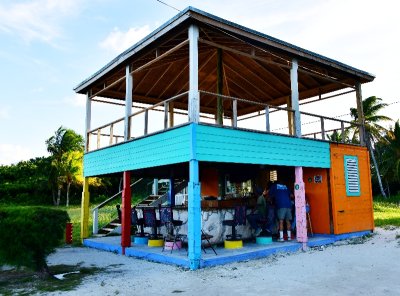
(387, 211)
(106, 214)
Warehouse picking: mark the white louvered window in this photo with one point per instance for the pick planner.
(352, 175)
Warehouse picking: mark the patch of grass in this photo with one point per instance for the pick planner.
(26, 282)
(387, 211)
(106, 214)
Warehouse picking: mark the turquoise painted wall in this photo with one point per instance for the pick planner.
(172, 146)
(238, 146)
(210, 143)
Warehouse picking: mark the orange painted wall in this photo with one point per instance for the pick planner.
(209, 182)
(350, 213)
(317, 195)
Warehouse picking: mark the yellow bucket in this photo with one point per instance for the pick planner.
(155, 243)
(233, 244)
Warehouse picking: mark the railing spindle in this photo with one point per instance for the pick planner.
(146, 121)
(166, 115)
(322, 128)
(267, 126)
(98, 138)
(342, 127)
(111, 133)
(234, 113)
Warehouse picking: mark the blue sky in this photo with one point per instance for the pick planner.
(48, 47)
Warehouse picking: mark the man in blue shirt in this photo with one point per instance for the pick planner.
(280, 194)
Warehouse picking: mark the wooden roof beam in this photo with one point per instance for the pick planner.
(255, 75)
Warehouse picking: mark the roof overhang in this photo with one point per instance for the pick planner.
(245, 50)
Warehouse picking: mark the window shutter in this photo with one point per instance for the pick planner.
(352, 175)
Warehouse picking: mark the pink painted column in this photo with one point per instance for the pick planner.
(300, 203)
(126, 212)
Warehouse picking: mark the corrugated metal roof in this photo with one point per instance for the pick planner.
(190, 12)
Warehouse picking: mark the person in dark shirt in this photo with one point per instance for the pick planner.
(259, 213)
(280, 194)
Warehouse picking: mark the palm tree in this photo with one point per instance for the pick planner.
(371, 108)
(373, 130)
(391, 154)
(338, 137)
(71, 169)
(63, 142)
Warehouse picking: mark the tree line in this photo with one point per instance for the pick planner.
(48, 180)
(383, 145)
(56, 179)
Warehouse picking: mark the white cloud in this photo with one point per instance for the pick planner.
(36, 19)
(117, 41)
(11, 154)
(76, 100)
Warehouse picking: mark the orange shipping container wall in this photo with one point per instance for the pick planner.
(350, 186)
(317, 194)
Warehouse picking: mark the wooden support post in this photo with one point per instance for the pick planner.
(322, 128)
(295, 97)
(234, 113)
(300, 204)
(360, 112)
(126, 212)
(267, 126)
(85, 209)
(88, 121)
(194, 206)
(128, 103)
(220, 106)
(194, 100)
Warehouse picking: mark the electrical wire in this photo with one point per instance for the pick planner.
(166, 4)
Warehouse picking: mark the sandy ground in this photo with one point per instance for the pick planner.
(351, 267)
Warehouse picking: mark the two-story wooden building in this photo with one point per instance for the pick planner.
(215, 103)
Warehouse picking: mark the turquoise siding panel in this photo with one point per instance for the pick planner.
(238, 146)
(164, 148)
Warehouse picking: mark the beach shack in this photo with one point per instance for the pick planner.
(214, 108)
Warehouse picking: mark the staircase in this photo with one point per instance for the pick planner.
(109, 228)
(150, 201)
(155, 200)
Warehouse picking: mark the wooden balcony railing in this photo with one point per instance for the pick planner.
(256, 116)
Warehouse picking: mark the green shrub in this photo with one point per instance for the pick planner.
(29, 234)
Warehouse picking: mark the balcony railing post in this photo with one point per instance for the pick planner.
(322, 128)
(267, 126)
(88, 134)
(95, 221)
(165, 115)
(234, 113)
(342, 128)
(111, 133)
(146, 121)
(88, 120)
(98, 138)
